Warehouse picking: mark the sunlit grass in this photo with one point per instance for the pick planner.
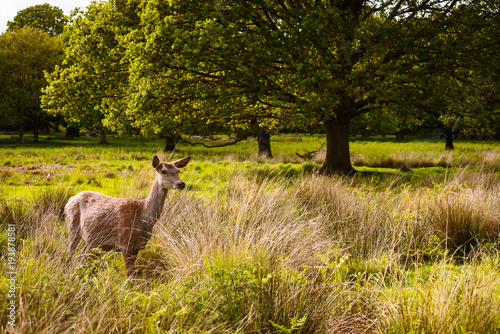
(262, 246)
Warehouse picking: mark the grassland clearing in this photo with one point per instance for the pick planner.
(264, 246)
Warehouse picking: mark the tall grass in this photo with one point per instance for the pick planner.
(445, 299)
(284, 252)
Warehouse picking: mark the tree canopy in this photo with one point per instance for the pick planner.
(94, 74)
(24, 56)
(47, 18)
(184, 66)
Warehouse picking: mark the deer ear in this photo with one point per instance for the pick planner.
(156, 162)
(182, 162)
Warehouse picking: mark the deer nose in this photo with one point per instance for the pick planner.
(181, 185)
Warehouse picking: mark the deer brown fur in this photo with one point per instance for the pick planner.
(119, 224)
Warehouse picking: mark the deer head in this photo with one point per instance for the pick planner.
(168, 173)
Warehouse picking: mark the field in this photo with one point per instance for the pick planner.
(409, 245)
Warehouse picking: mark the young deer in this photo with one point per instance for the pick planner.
(119, 224)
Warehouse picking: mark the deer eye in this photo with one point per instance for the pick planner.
(163, 172)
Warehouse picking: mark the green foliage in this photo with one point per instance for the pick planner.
(46, 18)
(295, 324)
(179, 68)
(91, 80)
(24, 56)
(446, 66)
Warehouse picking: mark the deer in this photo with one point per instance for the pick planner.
(120, 224)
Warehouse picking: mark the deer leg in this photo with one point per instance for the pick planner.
(74, 233)
(83, 255)
(129, 258)
(74, 241)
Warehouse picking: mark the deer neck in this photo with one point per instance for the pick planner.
(154, 204)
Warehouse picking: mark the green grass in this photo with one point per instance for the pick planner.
(409, 245)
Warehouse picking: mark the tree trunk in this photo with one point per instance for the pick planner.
(400, 136)
(21, 135)
(170, 143)
(264, 139)
(72, 132)
(338, 159)
(449, 139)
(35, 134)
(103, 138)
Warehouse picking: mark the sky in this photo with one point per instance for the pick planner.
(9, 8)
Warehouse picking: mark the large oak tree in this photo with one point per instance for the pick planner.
(198, 65)
(305, 61)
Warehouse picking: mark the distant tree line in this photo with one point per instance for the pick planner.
(28, 48)
(178, 68)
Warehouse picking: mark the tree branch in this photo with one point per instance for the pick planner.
(310, 154)
(214, 146)
(394, 12)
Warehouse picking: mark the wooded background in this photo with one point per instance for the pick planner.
(181, 68)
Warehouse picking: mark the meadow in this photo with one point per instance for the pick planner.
(409, 245)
